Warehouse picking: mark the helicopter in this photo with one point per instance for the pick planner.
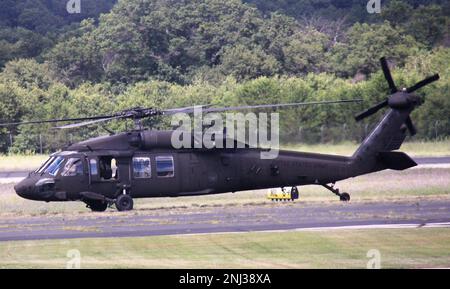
(142, 163)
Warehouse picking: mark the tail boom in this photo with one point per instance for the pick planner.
(375, 153)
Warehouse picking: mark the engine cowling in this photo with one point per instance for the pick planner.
(156, 139)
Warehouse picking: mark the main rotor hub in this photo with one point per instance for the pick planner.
(402, 99)
(140, 112)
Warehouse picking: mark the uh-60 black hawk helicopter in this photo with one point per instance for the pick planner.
(147, 165)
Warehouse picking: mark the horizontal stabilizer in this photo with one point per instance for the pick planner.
(396, 160)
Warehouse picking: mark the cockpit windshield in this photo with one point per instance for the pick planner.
(54, 166)
(44, 165)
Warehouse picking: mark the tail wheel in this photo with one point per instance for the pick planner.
(124, 203)
(97, 206)
(345, 197)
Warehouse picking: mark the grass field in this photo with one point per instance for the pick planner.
(430, 183)
(399, 248)
(439, 148)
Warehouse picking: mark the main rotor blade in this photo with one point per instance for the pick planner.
(80, 124)
(371, 110)
(55, 120)
(409, 124)
(280, 105)
(388, 75)
(187, 109)
(422, 83)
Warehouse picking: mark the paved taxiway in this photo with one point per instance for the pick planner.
(215, 219)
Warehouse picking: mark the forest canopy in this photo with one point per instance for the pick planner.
(164, 53)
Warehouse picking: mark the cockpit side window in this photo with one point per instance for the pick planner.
(54, 166)
(93, 169)
(44, 165)
(73, 167)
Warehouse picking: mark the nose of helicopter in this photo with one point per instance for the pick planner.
(35, 189)
(25, 189)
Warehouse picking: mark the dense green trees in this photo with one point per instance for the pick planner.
(167, 53)
(32, 99)
(427, 24)
(364, 45)
(29, 28)
(181, 41)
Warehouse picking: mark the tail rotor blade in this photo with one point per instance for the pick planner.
(387, 75)
(371, 110)
(409, 124)
(422, 83)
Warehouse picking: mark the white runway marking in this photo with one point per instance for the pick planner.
(352, 227)
(10, 180)
(432, 166)
(381, 226)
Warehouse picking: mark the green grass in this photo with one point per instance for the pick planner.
(399, 248)
(438, 148)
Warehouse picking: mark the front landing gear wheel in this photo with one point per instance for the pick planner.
(97, 206)
(124, 203)
(344, 197)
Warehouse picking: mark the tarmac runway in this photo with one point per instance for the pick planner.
(236, 218)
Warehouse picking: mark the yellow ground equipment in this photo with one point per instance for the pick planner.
(282, 194)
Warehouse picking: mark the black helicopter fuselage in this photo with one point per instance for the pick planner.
(167, 172)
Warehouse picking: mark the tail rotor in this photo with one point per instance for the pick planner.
(398, 99)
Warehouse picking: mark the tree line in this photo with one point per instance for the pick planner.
(169, 53)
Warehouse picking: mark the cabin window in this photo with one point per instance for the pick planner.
(164, 166)
(73, 167)
(107, 168)
(93, 167)
(142, 167)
